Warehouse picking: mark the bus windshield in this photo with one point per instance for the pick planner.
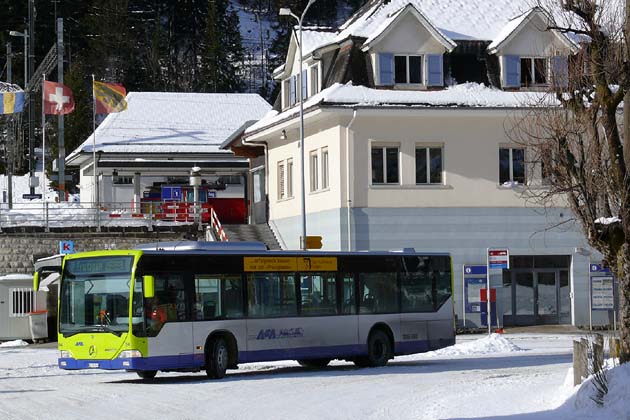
(95, 295)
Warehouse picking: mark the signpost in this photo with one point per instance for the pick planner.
(313, 242)
(32, 196)
(496, 259)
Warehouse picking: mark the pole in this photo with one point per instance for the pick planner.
(61, 164)
(303, 200)
(488, 317)
(94, 180)
(43, 139)
(31, 56)
(9, 129)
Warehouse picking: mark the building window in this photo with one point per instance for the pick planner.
(325, 178)
(408, 69)
(22, 302)
(533, 71)
(314, 79)
(511, 165)
(428, 165)
(293, 91)
(289, 178)
(314, 165)
(384, 165)
(122, 180)
(281, 185)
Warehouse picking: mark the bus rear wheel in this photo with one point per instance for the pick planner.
(379, 351)
(217, 358)
(314, 363)
(147, 374)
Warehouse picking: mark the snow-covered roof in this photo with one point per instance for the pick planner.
(160, 122)
(514, 25)
(455, 19)
(410, 8)
(466, 95)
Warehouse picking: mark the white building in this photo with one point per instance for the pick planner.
(401, 152)
(159, 139)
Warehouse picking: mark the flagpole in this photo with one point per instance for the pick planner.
(44, 137)
(95, 183)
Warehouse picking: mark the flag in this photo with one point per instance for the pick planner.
(109, 97)
(58, 99)
(11, 102)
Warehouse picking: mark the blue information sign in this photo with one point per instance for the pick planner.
(171, 193)
(474, 280)
(66, 247)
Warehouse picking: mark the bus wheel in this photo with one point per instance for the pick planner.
(314, 363)
(217, 359)
(147, 374)
(379, 349)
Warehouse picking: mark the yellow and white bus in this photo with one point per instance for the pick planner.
(192, 306)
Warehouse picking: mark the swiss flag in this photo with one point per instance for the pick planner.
(58, 99)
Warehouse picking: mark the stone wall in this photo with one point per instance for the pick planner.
(18, 251)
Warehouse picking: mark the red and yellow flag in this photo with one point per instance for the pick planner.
(109, 97)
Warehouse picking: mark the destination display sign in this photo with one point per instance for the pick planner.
(99, 265)
(268, 264)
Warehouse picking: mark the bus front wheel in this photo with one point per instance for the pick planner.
(147, 374)
(217, 359)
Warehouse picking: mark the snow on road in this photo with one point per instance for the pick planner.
(524, 376)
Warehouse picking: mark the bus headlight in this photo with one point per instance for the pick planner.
(128, 354)
(64, 354)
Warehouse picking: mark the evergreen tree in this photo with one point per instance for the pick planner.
(222, 52)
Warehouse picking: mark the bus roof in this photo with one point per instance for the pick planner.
(259, 248)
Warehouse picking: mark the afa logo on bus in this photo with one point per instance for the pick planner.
(273, 334)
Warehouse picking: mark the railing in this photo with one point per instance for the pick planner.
(216, 225)
(66, 214)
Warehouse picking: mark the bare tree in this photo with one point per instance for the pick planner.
(580, 140)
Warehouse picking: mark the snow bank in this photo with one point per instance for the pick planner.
(14, 343)
(616, 403)
(494, 343)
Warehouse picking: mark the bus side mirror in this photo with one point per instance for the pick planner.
(149, 286)
(36, 281)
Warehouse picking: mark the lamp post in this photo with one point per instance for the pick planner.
(287, 12)
(195, 182)
(30, 149)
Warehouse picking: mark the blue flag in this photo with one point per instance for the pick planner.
(11, 102)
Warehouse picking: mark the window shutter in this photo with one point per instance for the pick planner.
(435, 70)
(292, 91)
(304, 83)
(511, 71)
(386, 68)
(560, 69)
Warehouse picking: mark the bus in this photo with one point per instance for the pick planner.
(210, 306)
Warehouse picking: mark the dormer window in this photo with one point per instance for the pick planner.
(533, 71)
(408, 69)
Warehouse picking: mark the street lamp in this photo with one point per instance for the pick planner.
(284, 11)
(30, 148)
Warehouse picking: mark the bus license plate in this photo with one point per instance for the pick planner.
(92, 365)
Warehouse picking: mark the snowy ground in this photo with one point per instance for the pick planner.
(521, 376)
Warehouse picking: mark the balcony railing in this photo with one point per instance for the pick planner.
(62, 215)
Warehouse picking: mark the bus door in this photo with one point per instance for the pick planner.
(169, 323)
(322, 302)
(218, 305)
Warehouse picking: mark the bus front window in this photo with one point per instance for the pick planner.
(95, 295)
